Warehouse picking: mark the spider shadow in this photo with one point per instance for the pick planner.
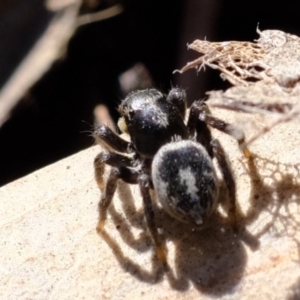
(212, 260)
(271, 193)
(294, 290)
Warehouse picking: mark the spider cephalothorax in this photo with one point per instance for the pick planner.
(152, 120)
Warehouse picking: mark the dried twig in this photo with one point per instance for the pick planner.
(47, 49)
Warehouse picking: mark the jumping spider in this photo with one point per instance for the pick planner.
(168, 155)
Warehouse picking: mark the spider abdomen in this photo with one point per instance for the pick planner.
(185, 181)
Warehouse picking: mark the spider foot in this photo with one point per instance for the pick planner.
(100, 226)
(161, 254)
(101, 222)
(100, 183)
(247, 153)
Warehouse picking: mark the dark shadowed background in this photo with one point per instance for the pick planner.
(55, 118)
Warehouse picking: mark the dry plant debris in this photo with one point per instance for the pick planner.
(265, 75)
(274, 57)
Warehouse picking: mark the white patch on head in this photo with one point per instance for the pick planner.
(160, 118)
(187, 178)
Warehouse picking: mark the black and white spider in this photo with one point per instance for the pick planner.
(168, 155)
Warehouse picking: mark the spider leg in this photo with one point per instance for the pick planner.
(219, 154)
(116, 173)
(199, 110)
(144, 184)
(196, 108)
(177, 97)
(105, 136)
(120, 168)
(113, 159)
(99, 168)
(194, 124)
(107, 196)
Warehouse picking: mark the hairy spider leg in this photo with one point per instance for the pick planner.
(120, 163)
(200, 109)
(110, 140)
(107, 196)
(119, 170)
(144, 184)
(127, 175)
(199, 124)
(220, 155)
(194, 124)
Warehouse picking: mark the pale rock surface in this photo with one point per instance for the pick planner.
(50, 248)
